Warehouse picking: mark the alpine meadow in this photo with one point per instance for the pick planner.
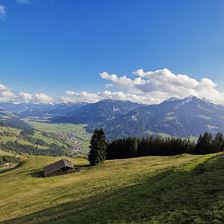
(111, 112)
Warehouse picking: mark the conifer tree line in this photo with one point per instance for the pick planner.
(53, 149)
(151, 146)
(8, 159)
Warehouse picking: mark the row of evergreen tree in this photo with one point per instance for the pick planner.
(100, 149)
(52, 150)
(135, 147)
(8, 159)
(208, 144)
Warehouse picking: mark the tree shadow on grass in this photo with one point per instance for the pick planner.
(83, 166)
(37, 173)
(172, 196)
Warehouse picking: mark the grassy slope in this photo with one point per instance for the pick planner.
(180, 189)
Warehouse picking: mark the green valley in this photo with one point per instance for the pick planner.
(45, 139)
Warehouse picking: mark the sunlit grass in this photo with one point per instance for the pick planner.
(74, 198)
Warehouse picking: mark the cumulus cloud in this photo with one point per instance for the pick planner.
(2, 12)
(8, 95)
(162, 84)
(75, 97)
(123, 82)
(42, 98)
(148, 87)
(26, 97)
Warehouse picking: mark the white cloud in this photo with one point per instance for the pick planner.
(162, 84)
(42, 98)
(123, 82)
(146, 87)
(74, 97)
(23, 2)
(8, 95)
(27, 97)
(2, 12)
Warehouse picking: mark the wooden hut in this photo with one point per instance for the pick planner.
(60, 167)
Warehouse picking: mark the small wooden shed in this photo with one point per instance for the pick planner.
(60, 167)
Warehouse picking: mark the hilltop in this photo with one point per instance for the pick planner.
(176, 189)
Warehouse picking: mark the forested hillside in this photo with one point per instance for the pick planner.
(45, 139)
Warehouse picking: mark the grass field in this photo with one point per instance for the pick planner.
(178, 189)
(77, 129)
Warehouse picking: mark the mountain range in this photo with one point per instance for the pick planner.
(186, 117)
(10, 119)
(40, 111)
(176, 117)
(98, 114)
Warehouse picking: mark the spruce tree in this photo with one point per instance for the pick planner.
(98, 147)
(204, 144)
(218, 142)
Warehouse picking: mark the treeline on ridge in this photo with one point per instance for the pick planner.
(34, 146)
(157, 146)
(9, 159)
(53, 150)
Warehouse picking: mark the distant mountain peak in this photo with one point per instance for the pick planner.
(115, 100)
(191, 97)
(188, 99)
(172, 99)
(194, 98)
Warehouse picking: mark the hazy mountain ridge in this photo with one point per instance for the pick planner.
(10, 119)
(181, 117)
(98, 114)
(41, 111)
(176, 117)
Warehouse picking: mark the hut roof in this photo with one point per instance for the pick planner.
(57, 166)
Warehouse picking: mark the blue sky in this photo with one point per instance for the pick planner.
(53, 46)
